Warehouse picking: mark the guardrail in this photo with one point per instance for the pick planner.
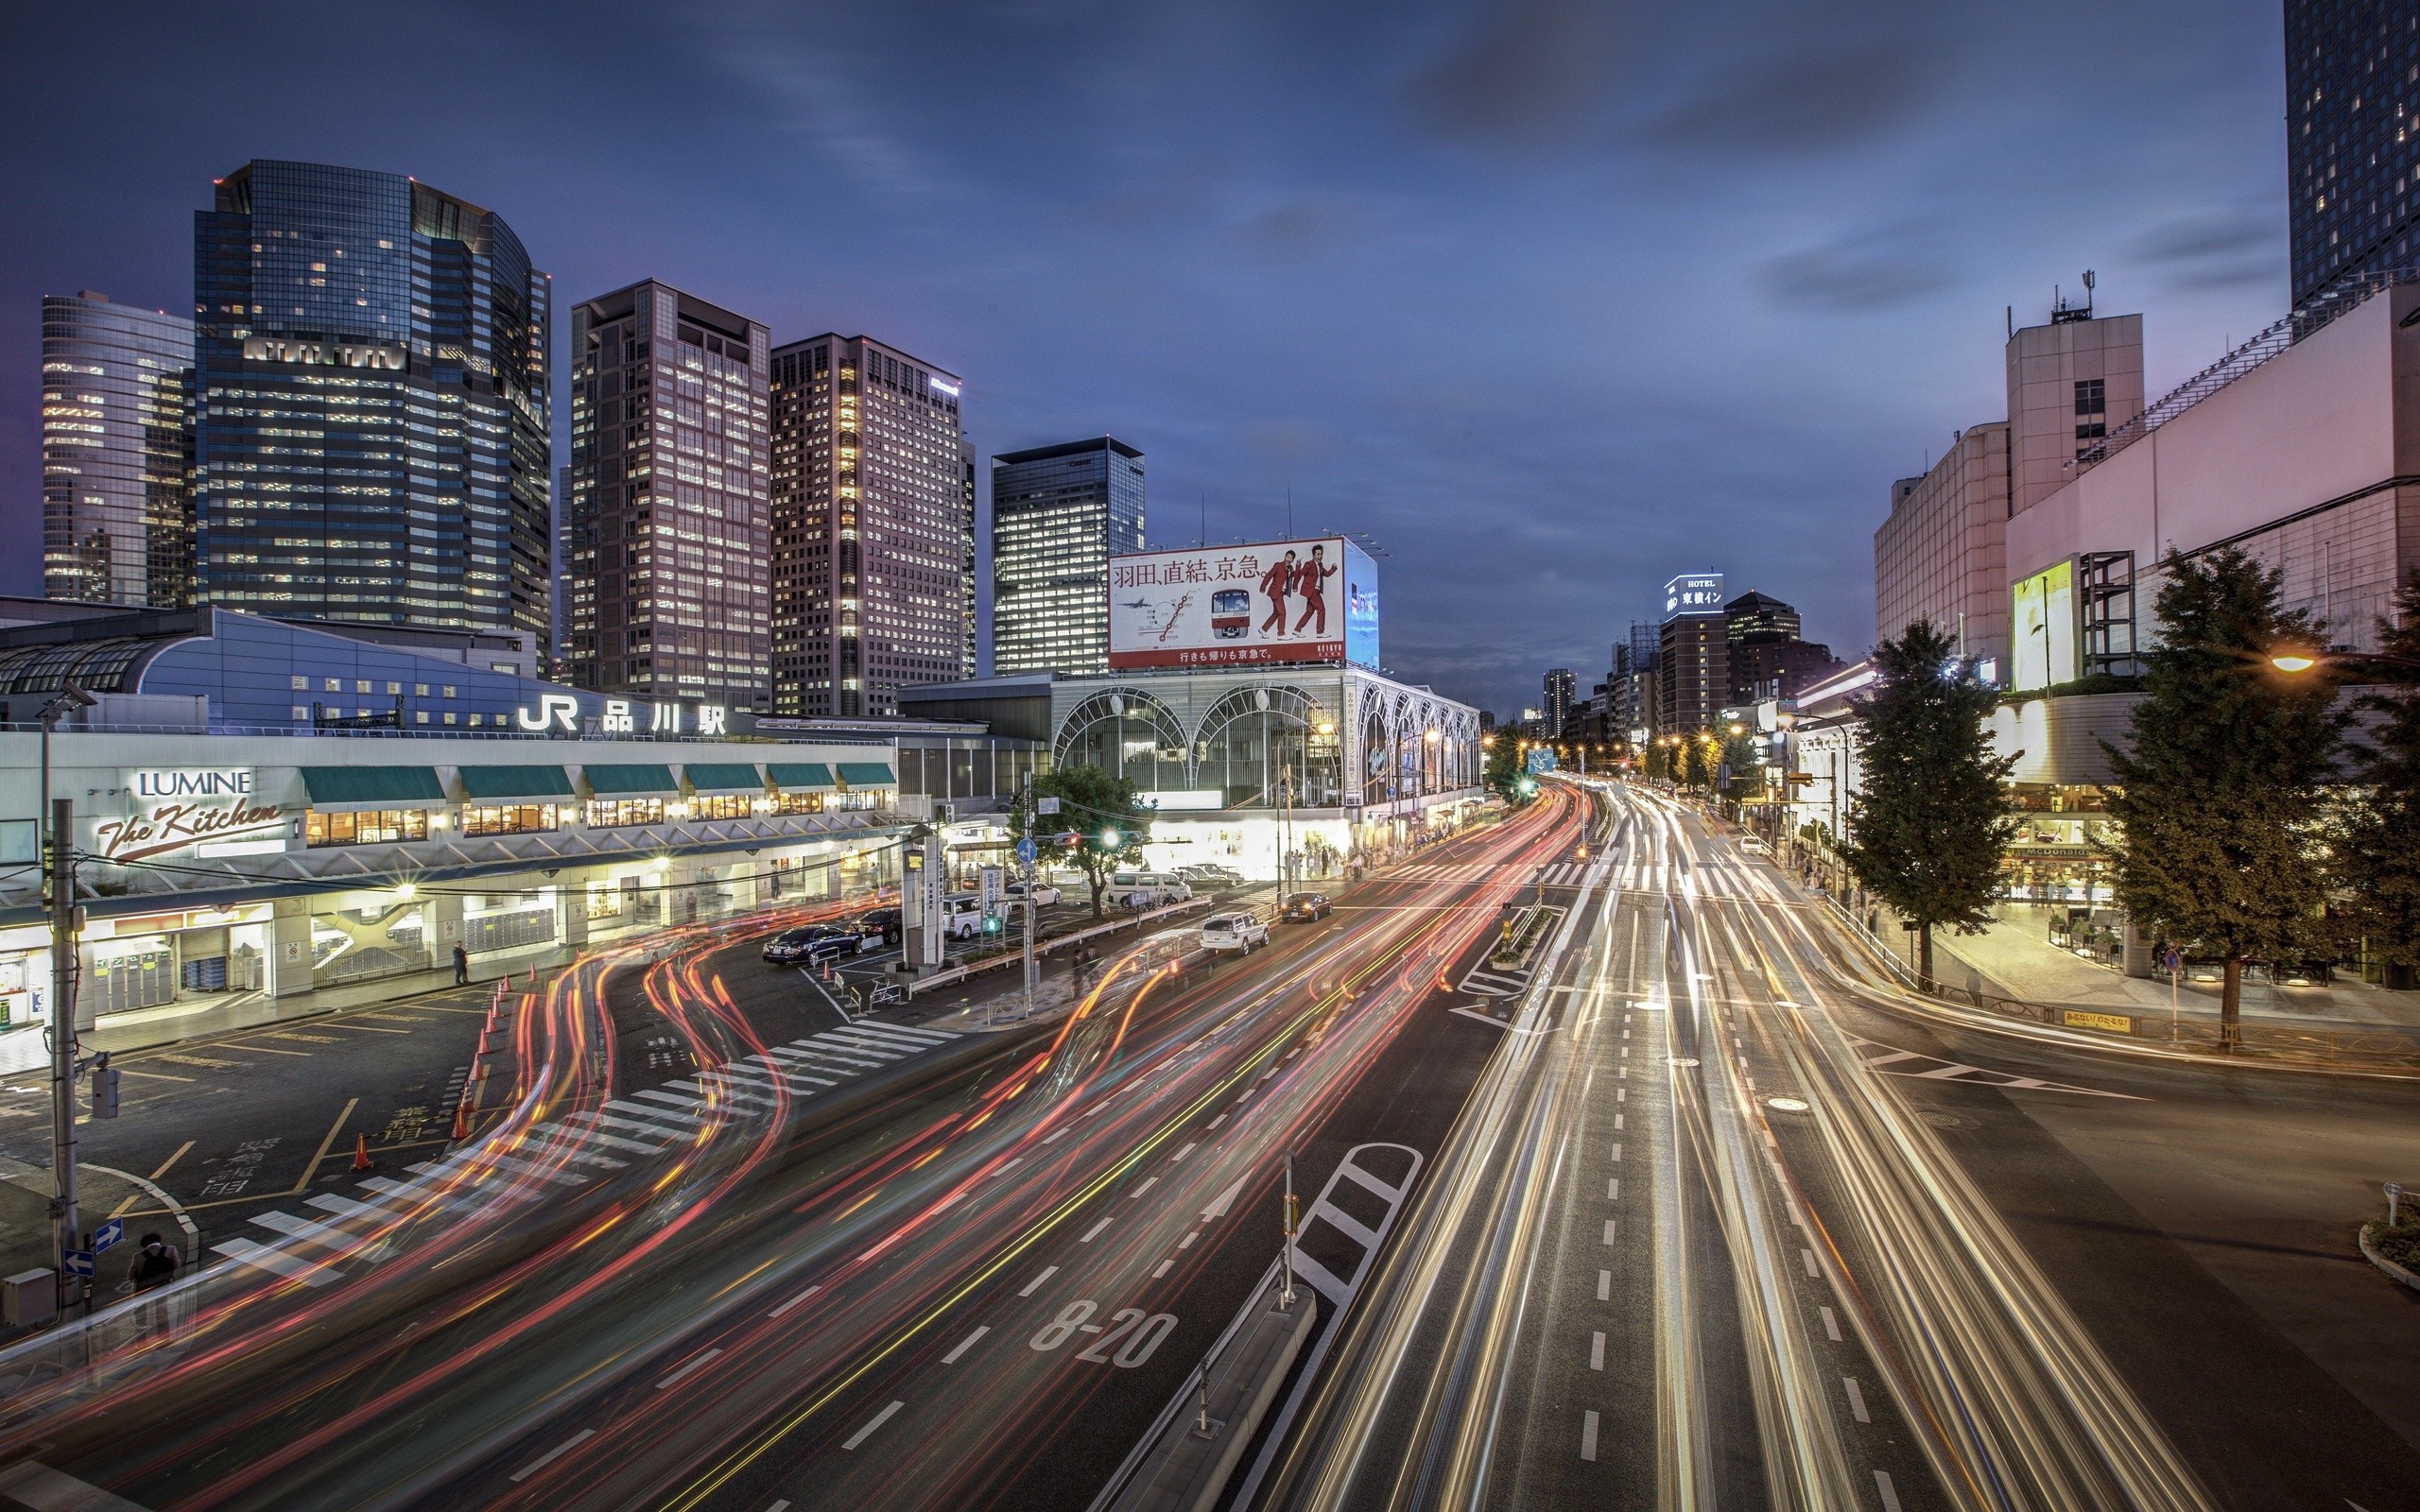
(2371, 1049)
(949, 974)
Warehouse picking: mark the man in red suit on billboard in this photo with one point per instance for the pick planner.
(1277, 582)
(1310, 581)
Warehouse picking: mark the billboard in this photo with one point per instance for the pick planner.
(1273, 601)
(2043, 609)
(1694, 594)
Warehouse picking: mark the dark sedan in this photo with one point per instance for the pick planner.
(812, 943)
(1306, 906)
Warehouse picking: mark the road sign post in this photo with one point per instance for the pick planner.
(108, 1234)
(78, 1263)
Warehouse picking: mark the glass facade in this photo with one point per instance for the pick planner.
(665, 568)
(372, 400)
(2352, 149)
(1059, 513)
(873, 531)
(117, 453)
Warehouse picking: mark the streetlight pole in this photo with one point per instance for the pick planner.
(67, 1221)
(1027, 869)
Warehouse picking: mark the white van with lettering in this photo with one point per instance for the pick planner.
(1145, 890)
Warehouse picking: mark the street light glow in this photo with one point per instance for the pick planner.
(2294, 662)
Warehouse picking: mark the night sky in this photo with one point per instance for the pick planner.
(1553, 298)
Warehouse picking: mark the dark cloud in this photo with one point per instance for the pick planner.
(2238, 247)
(1867, 270)
(1807, 100)
(1534, 66)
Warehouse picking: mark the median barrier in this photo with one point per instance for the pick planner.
(950, 974)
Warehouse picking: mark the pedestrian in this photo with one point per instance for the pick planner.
(154, 1265)
(461, 965)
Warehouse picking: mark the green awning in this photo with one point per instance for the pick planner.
(722, 777)
(616, 782)
(868, 774)
(515, 781)
(373, 784)
(798, 774)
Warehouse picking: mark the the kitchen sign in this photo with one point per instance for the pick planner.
(178, 808)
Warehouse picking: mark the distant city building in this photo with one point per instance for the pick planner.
(873, 539)
(1767, 659)
(1754, 617)
(1632, 702)
(117, 453)
(666, 581)
(1561, 691)
(2071, 384)
(970, 649)
(1693, 654)
(2352, 163)
(1059, 513)
(371, 398)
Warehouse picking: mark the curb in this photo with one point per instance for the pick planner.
(2393, 1272)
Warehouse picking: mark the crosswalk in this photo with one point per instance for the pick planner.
(574, 1150)
(1562, 874)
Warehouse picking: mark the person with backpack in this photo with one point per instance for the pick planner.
(155, 1264)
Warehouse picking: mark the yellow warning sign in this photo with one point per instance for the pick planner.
(2110, 1023)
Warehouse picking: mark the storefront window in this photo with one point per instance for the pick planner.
(608, 813)
(720, 806)
(370, 827)
(509, 818)
(798, 803)
(864, 798)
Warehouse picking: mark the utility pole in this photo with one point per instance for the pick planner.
(1285, 831)
(66, 1222)
(1285, 1298)
(1028, 852)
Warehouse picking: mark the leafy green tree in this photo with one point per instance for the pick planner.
(1504, 770)
(1931, 820)
(2378, 851)
(2223, 786)
(1101, 825)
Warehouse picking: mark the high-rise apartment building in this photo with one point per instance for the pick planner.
(1059, 513)
(1560, 691)
(665, 563)
(2352, 159)
(117, 453)
(370, 391)
(872, 536)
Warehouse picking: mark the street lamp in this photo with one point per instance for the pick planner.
(2299, 659)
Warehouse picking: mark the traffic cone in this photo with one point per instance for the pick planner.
(462, 1120)
(361, 1153)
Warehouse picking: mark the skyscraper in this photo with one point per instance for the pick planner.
(872, 538)
(2352, 160)
(1560, 691)
(372, 438)
(666, 577)
(1693, 654)
(116, 452)
(969, 652)
(1059, 513)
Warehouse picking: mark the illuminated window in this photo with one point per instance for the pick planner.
(720, 806)
(509, 818)
(372, 827)
(610, 813)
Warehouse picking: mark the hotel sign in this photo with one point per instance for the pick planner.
(326, 353)
(178, 808)
(1694, 594)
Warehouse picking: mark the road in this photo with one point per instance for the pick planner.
(692, 1264)
(1707, 1237)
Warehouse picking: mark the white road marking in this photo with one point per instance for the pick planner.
(1216, 1122)
(553, 1454)
(1891, 1493)
(1094, 1233)
(1178, 1158)
(1613, 1189)
(1857, 1400)
(1588, 1435)
(1604, 1286)
(687, 1370)
(867, 1432)
(1617, 1121)
(1186, 1242)
(1831, 1325)
(1146, 1185)
(1165, 1267)
(1609, 1230)
(1808, 1255)
(674, 1098)
(1035, 1285)
(794, 1301)
(276, 1262)
(1617, 1151)
(1055, 1138)
(1226, 1199)
(1597, 1350)
(965, 1344)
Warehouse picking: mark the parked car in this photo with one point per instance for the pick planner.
(1204, 874)
(1234, 931)
(963, 915)
(1145, 890)
(1306, 906)
(1750, 845)
(812, 943)
(1045, 894)
(887, 922)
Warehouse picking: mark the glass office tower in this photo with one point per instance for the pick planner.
(665, 568)
(372, 394)
(2352, 158)
(871, 527)
(1059, 513)
(117, 453)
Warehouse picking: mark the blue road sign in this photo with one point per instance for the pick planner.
(79, 1262)
(108, 1234)
(1026, 851)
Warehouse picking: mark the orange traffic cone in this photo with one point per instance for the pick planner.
(462, 1120)
(361, 1153)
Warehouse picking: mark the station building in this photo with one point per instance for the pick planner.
(263, 807)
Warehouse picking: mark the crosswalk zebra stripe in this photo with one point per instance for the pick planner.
(871, 1044)
(674, 1098)
(928, 1036)
(276, 1262)
(650, 1111)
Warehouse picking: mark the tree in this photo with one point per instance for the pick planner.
(1932, 819)
(2378, 853)
(1100, 827)
(2222, 793)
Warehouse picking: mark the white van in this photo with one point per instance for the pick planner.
(1145, 890)
(962, 915)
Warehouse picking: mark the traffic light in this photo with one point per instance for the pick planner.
(991, 923)
(104, 1088)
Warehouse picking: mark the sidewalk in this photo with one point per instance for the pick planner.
(2014, 958)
